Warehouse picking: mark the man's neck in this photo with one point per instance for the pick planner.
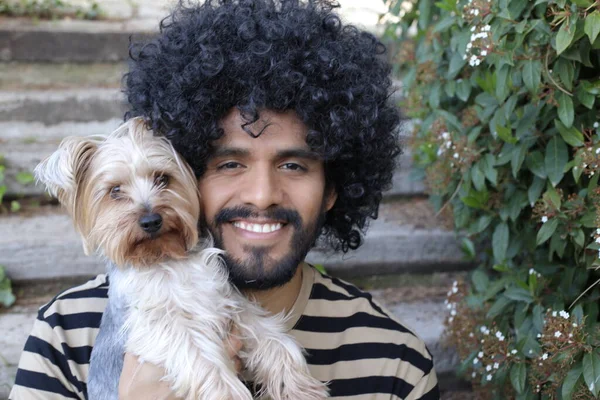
(281, 298)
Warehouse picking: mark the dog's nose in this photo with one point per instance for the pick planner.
(150, 223)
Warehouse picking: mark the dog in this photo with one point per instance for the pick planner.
(135, 201)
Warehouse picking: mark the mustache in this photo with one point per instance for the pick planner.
(285, 215)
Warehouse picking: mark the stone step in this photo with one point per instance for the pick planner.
(51, 107)
(108, 40)
(16, 76)
(424, 315)
(25, 144)
(69, 40)
(41, 244)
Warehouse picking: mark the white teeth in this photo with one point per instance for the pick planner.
(258, 228)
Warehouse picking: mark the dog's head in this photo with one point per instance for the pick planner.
(130, 195)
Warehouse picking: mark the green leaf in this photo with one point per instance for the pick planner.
(535, 190)
(592, 25)
(15, 206)
(564, 37)
(585, 98)
(478, 177)
(546, 231)
(557, 156)
(518, 374)
(570, 135)
(480, 280)
(320, 268)
(552, 198)
(24, 178)
(500, 241)
(570, 381)
(505, 134)
(565, 71)
(532, 74)
(519, 294)
(516, 161)
(463, 89)
(435, 95)
(502, 82)
(535, 163)
(468, 247)
(591, 372)
(498, 307)
(487, 165)
(425, 7)
(566, 112)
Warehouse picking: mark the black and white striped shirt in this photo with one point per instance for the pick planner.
(352, 342)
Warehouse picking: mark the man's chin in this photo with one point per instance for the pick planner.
(260, 274)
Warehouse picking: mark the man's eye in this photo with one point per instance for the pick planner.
(293, 167)
(229, 165)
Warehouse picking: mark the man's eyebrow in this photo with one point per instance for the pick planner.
(299, 153)
(224, 152)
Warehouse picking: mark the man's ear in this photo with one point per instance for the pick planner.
(64, 169)
(330, 197)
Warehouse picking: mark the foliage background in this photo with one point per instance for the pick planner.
(504, 97)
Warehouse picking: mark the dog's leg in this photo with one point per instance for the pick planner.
(274, 358)
(106, 362)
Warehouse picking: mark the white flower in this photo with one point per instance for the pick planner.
(483, 53)
(557, 334)
(545, 356)
(496, 365)
(489, 377)
(456, 155)
(598, 239)
(450, 319)
(474, 374)
(480, 354)
(454, 289)
(475, 360)
(554, 313)
(596, 124)
(539, 335)
(453, 313)
(564, 314)
(544, 219)
(471, 334)
(486, 28)
(598, 150)
(473, 28)
(513, 351)
(598, 231)
(446, 135)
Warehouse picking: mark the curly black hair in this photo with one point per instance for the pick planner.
(278, 55)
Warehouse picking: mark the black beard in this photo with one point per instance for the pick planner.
(251, 273)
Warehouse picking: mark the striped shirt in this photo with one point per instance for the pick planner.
(351, 342)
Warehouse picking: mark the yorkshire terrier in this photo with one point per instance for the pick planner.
(135, 201)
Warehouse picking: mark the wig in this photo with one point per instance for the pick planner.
(279, 55)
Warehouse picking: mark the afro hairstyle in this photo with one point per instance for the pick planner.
(280, 55)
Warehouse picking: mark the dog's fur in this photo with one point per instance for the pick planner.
(170, 302)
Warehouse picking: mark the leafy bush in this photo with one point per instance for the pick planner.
(7, 298)
(504, 94)
(49, 9)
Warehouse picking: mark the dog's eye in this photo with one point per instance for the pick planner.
(115, 191)
(161, 180)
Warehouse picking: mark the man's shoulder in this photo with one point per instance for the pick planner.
(359, 346)
(77, 307)
(336, 306)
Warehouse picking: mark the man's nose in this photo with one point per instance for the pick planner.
(261, 188)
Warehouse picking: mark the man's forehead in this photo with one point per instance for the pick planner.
(272, 131)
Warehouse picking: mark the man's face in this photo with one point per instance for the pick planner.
(264, 199)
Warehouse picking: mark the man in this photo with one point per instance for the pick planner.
(283, 114)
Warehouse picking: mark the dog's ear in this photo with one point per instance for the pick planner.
(65, 169)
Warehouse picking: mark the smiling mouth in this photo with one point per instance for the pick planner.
(258, 228)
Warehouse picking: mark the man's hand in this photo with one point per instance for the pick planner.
(143, 381)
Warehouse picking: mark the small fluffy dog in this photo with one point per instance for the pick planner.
(134, 200)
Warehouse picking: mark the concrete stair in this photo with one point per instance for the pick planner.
(62, 78)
